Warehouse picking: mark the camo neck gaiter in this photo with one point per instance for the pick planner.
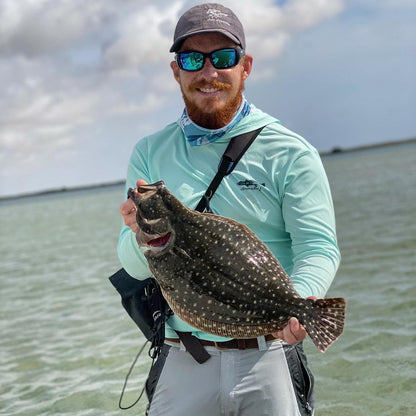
(197, 135)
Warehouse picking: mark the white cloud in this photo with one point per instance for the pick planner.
(302, 14)
(38, 27)
(269, 28)
(143, 39)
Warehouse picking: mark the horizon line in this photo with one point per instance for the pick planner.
(334, 151)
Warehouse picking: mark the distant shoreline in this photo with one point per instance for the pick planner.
(338, 150)
(63, 189)
(334, 151)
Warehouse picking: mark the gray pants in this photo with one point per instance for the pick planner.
(273, 382)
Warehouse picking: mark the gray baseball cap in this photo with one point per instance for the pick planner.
(208, 18)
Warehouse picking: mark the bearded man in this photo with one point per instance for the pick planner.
(278, 189)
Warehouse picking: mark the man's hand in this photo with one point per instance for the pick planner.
(293, 332)
(128, 210)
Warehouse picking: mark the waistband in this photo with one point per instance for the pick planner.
(233, 344)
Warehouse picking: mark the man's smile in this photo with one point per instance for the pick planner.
(212, 88)
(208, 90)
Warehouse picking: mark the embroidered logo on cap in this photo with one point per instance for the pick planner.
(217, 16)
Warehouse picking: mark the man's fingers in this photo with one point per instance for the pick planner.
(128, 211)
(297, 331)
(127, 207)
(292, 333)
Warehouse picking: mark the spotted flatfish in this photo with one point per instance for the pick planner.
(217, 276)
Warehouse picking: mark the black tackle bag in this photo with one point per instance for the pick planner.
(145, 304)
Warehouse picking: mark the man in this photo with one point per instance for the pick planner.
(279, 189)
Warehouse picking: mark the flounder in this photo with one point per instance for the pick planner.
(218, 277)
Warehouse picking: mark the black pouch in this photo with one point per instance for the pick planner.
(145, 304)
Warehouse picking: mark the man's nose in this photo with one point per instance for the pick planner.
(209, 70)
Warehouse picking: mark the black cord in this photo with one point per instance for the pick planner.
(127, 379)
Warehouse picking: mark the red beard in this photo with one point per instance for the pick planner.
(217, 119)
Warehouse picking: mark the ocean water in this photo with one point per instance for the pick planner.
(66, 343)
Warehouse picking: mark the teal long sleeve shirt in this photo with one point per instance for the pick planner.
(279, 189)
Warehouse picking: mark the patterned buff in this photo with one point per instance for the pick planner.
(198, 136)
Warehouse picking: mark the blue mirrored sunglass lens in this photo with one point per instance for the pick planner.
(224, 58)
(191, 61)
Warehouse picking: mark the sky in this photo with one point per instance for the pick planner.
(82, 81)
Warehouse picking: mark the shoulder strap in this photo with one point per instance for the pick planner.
(233, 153)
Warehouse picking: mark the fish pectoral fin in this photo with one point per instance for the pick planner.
(181, 253)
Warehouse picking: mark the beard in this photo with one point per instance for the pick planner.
(217, 119)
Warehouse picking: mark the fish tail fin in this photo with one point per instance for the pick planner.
(326, 322)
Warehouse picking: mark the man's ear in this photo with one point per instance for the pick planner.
(247, 65)
(175, 70)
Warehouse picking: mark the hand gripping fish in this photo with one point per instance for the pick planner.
(217, 276)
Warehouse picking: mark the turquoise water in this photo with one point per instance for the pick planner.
(66, 343)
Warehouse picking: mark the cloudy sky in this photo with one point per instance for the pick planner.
(82, 81)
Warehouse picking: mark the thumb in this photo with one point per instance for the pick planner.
(141, 182)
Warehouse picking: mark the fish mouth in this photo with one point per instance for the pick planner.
(145, 191)
(157, 244)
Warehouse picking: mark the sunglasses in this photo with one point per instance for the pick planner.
(220, 59)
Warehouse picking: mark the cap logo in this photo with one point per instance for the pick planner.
(217, 16)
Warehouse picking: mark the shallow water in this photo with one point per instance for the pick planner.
(66, 343)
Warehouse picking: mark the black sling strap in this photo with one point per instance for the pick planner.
(233, 153)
